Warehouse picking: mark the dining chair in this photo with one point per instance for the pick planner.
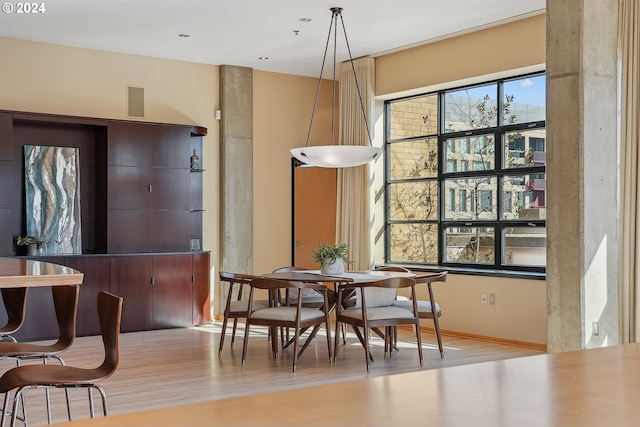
(428, 309)
(310, 298)
(65, 301)
(15, 303)
(66, 377)
(236, 308)
(368, 316)
(285, 316)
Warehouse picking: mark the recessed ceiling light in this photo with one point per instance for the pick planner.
(305, 19)
(263, 58)
(183, 35)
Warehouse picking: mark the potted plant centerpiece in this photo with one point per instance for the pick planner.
(332, 258)
(31, 242)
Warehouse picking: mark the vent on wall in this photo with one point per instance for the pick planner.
(135, 101)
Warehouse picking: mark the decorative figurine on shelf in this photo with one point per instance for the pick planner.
(195, 160)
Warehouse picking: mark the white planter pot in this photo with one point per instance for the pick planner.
(331, 266)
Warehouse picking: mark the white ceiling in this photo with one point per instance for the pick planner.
(238, 32)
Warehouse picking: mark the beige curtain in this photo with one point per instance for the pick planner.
(354, 221)
(629, 48)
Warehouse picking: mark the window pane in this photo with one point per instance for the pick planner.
(471, 108)
(524, 100)
(410, 201)
(414, 242)
(479, 150)
(470, 245)
(525, 246)
(524, 196)
(414, 117)
(525, 148)
(480, 194)
(414, 159)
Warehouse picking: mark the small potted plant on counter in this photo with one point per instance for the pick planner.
(32, 243)
(332, 258)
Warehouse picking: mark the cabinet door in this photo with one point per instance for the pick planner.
(131, 279)
(172, 293)
(128, 144)
(96, 271)
(170, 230)
(128, 231)
(169, 146)
(128, 187)
(170, 188)
(201, 289)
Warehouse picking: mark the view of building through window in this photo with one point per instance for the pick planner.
(466, 176)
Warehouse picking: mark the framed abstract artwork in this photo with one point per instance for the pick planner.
(52, 190)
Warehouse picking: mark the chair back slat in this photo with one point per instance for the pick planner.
(65, 301)
(110, 315)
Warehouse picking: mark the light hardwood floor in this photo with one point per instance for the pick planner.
(178, 366)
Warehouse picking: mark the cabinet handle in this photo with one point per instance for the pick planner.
(153, 281)
(150, 188)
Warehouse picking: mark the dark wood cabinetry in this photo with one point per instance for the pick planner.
(159, 291)
(141, 203)
(96, 271)
(149, 187)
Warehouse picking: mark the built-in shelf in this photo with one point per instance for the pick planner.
(197, 170)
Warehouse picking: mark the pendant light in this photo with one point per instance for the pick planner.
(334, 155)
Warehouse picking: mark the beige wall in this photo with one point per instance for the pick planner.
(520, 311)
(493, 50)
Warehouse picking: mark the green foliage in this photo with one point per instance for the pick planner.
(30, 240)
(332, 252)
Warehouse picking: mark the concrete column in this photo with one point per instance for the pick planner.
(236, 173)
(582, 174)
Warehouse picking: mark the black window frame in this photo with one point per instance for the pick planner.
(500, 266)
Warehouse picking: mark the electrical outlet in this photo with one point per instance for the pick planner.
(492, 299)
(596, 328)
(483, 298)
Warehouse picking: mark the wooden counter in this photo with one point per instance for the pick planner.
(596, 387)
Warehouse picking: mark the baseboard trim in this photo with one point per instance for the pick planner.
(515, 343)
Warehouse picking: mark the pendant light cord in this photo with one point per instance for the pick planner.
(337, 11)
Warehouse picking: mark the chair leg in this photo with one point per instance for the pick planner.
(419, 339)
(103, 395)
(222, 333)
(91, 409)
(233, 332)
(5, 407)
(246, 343)
(296, 337)
(436, 326)
(14, 408)
(366, 346)
(335, 342)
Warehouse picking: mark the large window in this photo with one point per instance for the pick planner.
(466, 183)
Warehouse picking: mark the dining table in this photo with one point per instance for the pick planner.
(27, 273)
(335, 280)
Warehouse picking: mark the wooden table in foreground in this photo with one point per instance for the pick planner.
(25, 273)
(597, 387)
